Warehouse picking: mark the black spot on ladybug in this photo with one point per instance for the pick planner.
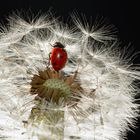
(54, 63)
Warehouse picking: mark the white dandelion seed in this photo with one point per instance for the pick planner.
(92, 98)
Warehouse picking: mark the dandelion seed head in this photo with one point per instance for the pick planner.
(98, 81)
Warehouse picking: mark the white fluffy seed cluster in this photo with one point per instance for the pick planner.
(105, 114)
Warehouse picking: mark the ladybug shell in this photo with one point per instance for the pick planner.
(58, 58)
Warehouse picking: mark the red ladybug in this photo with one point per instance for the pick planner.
(58, 56)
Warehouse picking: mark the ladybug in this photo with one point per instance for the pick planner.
(58, 56)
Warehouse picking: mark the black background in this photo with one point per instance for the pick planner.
(124, 14)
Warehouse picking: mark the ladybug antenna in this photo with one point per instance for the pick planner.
(51, 44)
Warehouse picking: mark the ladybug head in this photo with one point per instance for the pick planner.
(58, 45)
